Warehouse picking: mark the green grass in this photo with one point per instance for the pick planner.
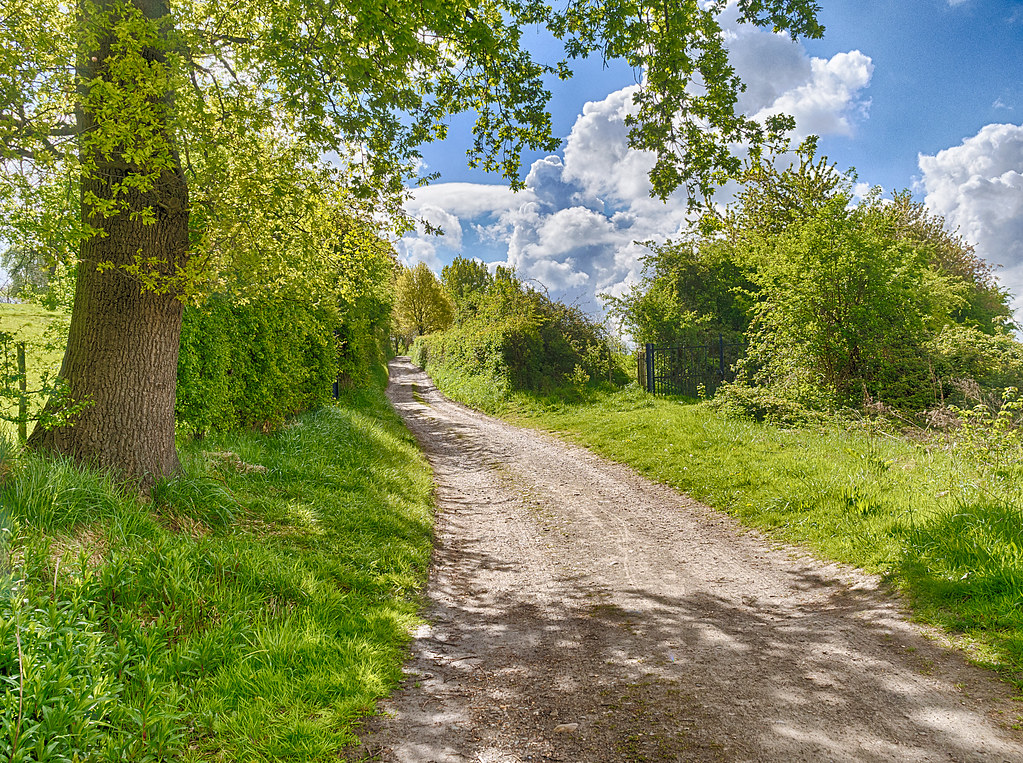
(939, 523)
(246, 614)
(30, 324)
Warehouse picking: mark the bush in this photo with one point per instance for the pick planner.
(962, 354)
(255, 364)
(519, 339)
(741, 401)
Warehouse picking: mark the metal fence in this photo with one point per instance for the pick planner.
(691, 370)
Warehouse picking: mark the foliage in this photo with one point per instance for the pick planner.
(693, 291)
(519, 338)
(421, 305)
(755, 403)
(257, 615)
(843, 306)
(843, 302)
(466, 281)
(970, 365)
(200, 90)
(253, 365)
(981, 303)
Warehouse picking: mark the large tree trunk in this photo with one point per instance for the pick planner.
(121, 361)
(120, 366)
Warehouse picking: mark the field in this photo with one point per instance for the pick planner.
(40, 330)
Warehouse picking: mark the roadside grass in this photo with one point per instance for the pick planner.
(255, 610)
(932, 517)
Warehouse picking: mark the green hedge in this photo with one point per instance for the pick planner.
(252, 365)
(519, 339)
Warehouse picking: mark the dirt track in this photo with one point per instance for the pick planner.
(580, 613)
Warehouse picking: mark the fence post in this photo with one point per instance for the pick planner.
(23, 397)
(721, 355)
(649, 367)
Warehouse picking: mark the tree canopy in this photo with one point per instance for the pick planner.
(421, 305)
(841, 300)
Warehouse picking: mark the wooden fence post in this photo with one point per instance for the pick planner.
(23, 397)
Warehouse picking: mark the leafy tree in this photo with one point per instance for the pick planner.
(178, 130)
(27, 271)
(466, 280)
(692, 292)
(844, 308)
(841, 302)
(984, 304)
(421, 305)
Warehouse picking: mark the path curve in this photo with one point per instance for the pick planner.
(581, 613)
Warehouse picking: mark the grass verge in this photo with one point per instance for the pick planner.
(254, 611)
(937, 520)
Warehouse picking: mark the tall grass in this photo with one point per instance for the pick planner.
(253, 611)
(937, 518)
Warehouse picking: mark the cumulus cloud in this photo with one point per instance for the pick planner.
(576, 225)
(464, 200)
(978, 187)
(826, 103)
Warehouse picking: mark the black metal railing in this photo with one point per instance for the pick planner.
(691, 370)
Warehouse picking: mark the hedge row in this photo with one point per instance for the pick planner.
(253, 365)
(519, 340)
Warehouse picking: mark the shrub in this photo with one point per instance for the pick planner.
(253, 365)
(519, 339)
(741, 401)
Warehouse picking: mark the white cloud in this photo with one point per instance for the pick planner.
(978, 187)
(466, 200)
(446, 222)
(414, 249)
(825, 104)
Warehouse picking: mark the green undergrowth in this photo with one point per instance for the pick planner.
(255, 610)
(938, 521)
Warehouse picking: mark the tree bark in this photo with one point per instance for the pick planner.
(121, 360)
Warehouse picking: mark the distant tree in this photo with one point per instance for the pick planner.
(421, 305)
(464, 279)
(28, 270)
(520, 338)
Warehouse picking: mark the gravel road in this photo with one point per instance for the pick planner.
(578, 613)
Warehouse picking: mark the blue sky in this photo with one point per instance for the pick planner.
(919, 94)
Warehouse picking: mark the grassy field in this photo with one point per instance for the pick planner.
(940, 521)
(254, 611)
(30, 324)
